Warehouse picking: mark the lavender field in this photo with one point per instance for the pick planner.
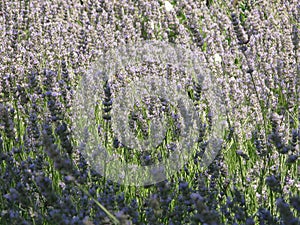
(249, 50)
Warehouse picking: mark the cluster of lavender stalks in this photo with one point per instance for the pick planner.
(250, 47)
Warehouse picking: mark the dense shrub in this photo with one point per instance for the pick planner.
(250, 47)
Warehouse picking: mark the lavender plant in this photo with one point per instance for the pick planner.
(250, 47)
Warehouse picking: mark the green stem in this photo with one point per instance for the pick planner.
(111, 216)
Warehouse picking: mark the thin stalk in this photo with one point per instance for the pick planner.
(111, 216)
